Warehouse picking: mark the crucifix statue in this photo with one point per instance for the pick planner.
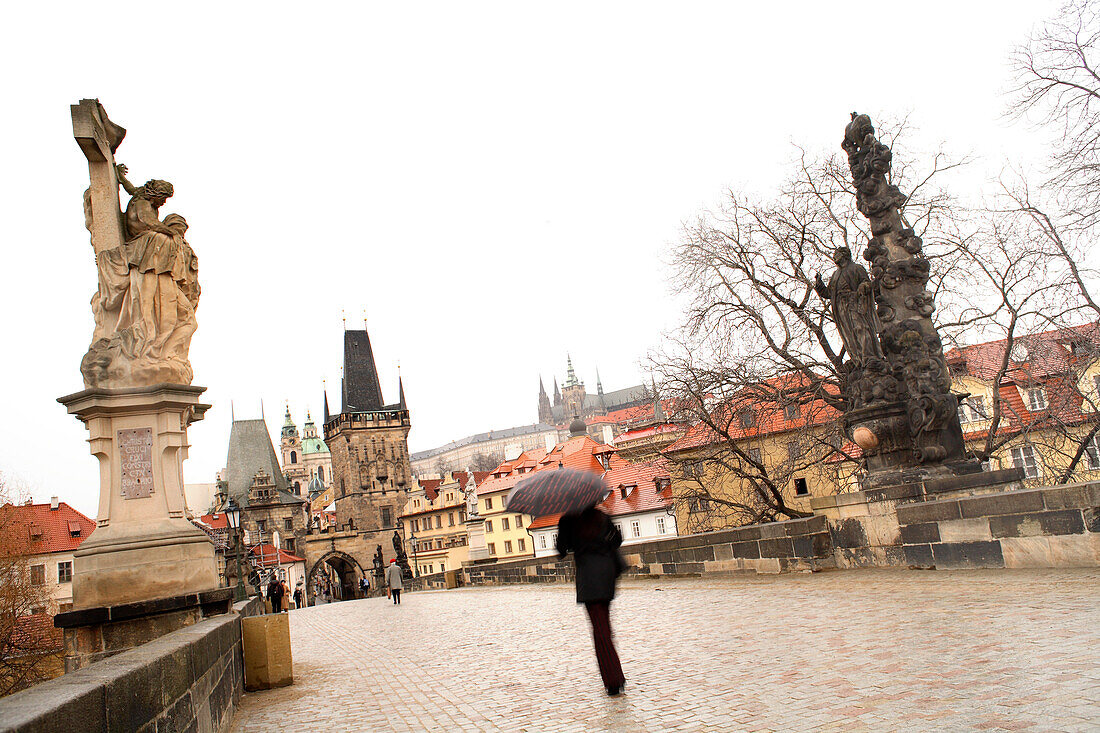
(144, 305)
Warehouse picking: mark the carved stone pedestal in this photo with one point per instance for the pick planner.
(144, 548)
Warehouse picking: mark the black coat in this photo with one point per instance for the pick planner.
(594, 542)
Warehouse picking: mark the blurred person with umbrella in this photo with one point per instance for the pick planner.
(594, 541)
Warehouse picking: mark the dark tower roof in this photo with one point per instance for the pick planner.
(361, 390)
(250, 450)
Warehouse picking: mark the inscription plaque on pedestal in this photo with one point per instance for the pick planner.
(135, 450)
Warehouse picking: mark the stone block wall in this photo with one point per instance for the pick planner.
(188, 680)
(800, 544)
(1040, 528)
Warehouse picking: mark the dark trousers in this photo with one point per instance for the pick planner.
(610, 670)
(396, 593)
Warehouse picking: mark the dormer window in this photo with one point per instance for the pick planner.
(74, 529)
(1036, 399)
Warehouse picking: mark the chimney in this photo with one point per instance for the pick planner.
(53, 503)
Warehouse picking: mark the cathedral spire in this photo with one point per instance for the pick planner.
(557, 393)
(324, 391)
(599, 384)
(546, 414)
(570, 375)
(658, 408)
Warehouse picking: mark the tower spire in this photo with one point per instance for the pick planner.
(324, 391)
(400, 389)
(599, 384)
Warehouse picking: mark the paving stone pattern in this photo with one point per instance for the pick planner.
(858, 650)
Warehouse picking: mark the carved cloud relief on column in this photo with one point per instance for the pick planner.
(906, 365)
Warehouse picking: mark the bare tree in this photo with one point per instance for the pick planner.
(1058, 82)
(30, 648)
(486, 461)
(758, 356)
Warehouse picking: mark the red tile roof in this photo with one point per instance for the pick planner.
(640, 480)
(217, 520)
(38, 529)
(33, 633)
(431, 487)
(266, 553)
(768, 414)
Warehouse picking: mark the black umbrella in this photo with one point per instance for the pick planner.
(560, 491)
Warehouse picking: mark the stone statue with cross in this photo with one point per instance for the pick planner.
(144, 305)
(137, 403)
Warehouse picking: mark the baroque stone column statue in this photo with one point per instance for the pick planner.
(900, 409)
(138, 401)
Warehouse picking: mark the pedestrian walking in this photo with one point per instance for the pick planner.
(286, 596)
(394, 581)
(299, 597)
(275, 595)
(594, 542)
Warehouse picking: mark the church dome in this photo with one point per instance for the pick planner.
(578, 427)
(315, 487)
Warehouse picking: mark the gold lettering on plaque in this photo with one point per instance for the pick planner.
(135, 453)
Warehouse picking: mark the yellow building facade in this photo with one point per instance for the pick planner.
(434, 523)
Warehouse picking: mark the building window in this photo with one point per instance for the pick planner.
(794, 451)
(542, 541)
(489, 502)
(288, 523)
(746, 418)
(504, 526)
(1036, 399)
(635, 529)
(38, 574)
(508, 546)
(288, 544)
(519, 521)
(1092, 453)
(791, 412)
(619, 528)
(754, 455)
(321, 473)
(660, 525)
(800, 487)
(488, 525)
(387, 516)
(554, 538)
(522, 545)
(977, 408)
(450, 519)
(438, 521)
(65, 572)
(492, 548)
(1024, 457)
(261, 525)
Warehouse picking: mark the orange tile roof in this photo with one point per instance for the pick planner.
(266, 553)
(38, 529)
(431, 487)
(769, 415)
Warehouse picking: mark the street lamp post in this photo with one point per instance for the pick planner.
(416, 563)
(233, 517)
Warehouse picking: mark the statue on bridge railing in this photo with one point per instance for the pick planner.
(402, 558)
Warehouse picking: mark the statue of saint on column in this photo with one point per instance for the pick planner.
(851, 296)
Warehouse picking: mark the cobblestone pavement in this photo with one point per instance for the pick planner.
(859, 650)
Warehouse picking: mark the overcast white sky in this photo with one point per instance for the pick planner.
(495, 183)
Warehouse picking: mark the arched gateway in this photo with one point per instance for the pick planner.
(336, 573)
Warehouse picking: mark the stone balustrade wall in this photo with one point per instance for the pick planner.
(795, 545)
(189, 679)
